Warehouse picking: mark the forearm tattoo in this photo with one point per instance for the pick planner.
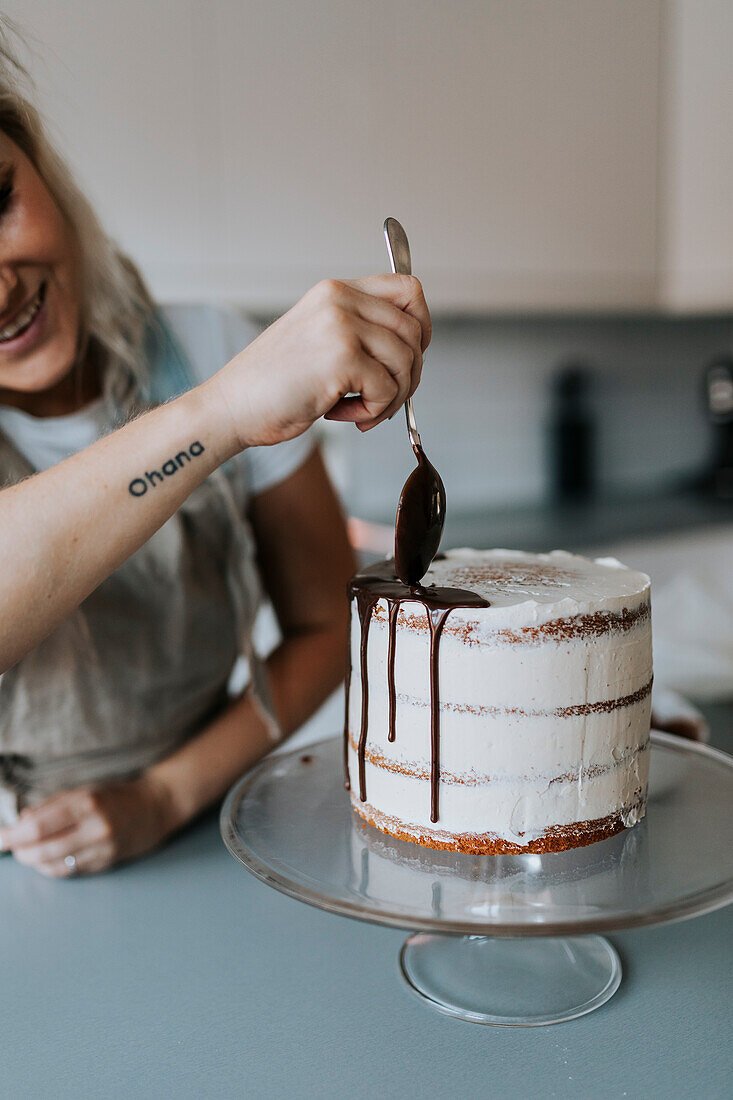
(139, 486)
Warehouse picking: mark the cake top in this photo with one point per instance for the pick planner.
(507, 578)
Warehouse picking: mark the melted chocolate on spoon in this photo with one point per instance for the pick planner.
(380, 582)
(420, 520)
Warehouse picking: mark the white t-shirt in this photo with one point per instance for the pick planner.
(210, 337)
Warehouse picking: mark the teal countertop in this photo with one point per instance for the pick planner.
(182, 976)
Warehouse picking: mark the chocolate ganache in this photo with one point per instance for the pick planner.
(419, 521)
(380, 582)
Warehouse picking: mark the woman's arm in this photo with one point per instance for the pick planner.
(63, 531)
(306, 562)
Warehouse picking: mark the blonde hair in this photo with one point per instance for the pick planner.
(116, 307)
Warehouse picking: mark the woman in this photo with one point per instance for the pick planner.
(129, 584)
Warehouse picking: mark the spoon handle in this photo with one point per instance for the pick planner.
(398, 249)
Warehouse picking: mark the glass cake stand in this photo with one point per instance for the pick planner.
(510, 939)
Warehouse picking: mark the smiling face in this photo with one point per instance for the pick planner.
(40, 285)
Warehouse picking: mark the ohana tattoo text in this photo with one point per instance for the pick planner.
(139, 486)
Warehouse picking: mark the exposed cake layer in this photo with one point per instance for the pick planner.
(541, 705)
(571, 750)
(544, 701)
(517, 808)
(556, 838)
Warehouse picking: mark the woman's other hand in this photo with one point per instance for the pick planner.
(347, 351)
(97, 826)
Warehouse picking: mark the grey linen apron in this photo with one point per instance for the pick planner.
(142, 665)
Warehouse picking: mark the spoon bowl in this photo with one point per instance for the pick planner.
(419, 522)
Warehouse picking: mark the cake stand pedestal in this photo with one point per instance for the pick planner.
(510, 939)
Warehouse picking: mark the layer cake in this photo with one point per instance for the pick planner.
(504, 705)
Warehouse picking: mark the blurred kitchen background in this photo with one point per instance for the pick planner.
(564, 169)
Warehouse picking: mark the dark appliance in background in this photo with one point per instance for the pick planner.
(719, 407)
(572, 435)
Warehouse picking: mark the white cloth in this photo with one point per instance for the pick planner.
(210, 337)
(692, 608)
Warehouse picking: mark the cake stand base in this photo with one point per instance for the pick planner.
(511, 982)
(509, 939)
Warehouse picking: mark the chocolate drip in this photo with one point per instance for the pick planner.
(347, 689)
(394, 609)
(381, 583)
(365, 605)
(436, 618)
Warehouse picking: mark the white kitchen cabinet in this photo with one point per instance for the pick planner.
(243, 150)
(696, 264)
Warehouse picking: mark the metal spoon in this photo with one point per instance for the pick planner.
(421, 509)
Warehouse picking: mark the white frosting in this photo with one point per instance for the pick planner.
(530, 589)
(523, 744)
